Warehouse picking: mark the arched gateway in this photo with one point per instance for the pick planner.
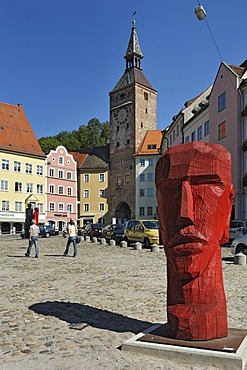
(122, 212)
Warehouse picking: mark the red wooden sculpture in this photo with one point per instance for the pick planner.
(194, 194)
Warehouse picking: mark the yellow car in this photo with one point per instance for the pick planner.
(143, 231)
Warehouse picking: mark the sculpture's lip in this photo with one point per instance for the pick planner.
(187, 243)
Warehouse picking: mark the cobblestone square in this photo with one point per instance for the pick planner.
(117, 291)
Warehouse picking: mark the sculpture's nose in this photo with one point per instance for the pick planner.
(186, 215)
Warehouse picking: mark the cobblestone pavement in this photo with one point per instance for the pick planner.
(118, 291)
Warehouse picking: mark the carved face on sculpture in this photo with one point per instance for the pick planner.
(195, 194)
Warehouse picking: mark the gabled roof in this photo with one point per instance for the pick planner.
(131, 76)
(94, 158)
(16, 133)
(152, 139)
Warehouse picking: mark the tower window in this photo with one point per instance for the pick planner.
(146, 110)
(128, 141)
(117, 128)
(127, 125)
(141, 125)
(145, 95)
(122, 96)
(118, 144)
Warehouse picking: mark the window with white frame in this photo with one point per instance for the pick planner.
(17, 166)
(5, 164)
(60, 160)
(86, 177)
(150, 211)
(142, 177)
(61, 207)
(51, 189)
(29, 168)
(222, 101)
(86, 207)
(29, 187)
(150, 192)
(60, 174)
(101, 193)
(51, 172)
(193, 136)
(18, 186)
(101, 177)
(18, 206)
(69, 207)
(150, 177)
(39, 170)
(86, 193)
(40, 189)
(141, 211)
(199, 133)
(150, 162)
(142, 162)
(60, 190)
(69, 175)
(51, 206)
(142, 192)
(4, 185)
(101, 206)
(69, 190)
(40, 207)
(206, 128)
(5, 205)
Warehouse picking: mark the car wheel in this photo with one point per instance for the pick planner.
(241, 248)
(147, 243)
(47, 235)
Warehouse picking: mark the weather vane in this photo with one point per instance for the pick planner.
(133, 17)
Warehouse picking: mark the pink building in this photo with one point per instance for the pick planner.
(61, 187)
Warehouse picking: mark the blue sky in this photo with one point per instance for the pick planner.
(61, 58)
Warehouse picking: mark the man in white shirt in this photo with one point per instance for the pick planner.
(33, 239)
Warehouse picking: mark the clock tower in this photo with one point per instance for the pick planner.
(132, 113)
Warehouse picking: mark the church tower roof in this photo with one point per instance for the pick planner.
(133, 56)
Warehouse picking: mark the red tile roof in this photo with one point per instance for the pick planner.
(79, 158)
(151, 139)
(16, 133)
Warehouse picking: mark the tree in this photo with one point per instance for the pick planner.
(94, 133)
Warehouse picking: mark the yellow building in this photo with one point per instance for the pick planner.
(22, 169)
(92, 175)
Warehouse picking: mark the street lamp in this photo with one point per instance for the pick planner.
(200, 12)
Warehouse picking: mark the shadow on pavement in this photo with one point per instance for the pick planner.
(75, 313)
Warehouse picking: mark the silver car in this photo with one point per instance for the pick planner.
(239, 245)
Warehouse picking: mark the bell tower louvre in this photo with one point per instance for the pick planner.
(132, 113)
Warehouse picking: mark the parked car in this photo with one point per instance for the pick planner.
(114, 232)
(44, 230)
(143, 231)
(93, 230)
(237, 228)
(239, 245)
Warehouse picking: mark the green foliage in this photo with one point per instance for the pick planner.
(95, 132)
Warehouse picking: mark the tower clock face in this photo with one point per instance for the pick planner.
(122, 115)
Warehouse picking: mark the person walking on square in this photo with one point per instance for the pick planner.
(72, 234)
(33, 239)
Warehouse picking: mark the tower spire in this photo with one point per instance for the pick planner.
(133, 55)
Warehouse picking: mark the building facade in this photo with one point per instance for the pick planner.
(145, 163)
(61, 187)
(93, 192)
(132, 113)
(22, 171)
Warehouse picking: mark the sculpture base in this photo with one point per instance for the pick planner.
(224, 353)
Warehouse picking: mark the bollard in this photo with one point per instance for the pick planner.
(112, 243)
(240, 259)
(155, 248)
(95, 240)
(103, 242)
(88, 239)
(123, 244)
(138, 246)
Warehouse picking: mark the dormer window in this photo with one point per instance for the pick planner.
(152, 146)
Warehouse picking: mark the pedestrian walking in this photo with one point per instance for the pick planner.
(72, 234)
(33, 239)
